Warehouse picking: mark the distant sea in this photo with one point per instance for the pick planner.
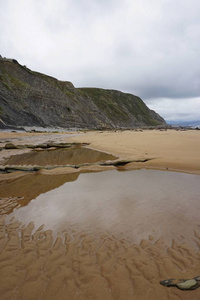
(192, 124)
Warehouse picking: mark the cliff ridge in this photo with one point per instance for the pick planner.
(29, 98)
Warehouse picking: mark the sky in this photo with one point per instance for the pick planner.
(149, 48)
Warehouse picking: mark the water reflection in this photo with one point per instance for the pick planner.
(32, 185)
(59, 157)
(137, 203)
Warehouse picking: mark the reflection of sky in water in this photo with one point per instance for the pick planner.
(137, 203)
(59, 157)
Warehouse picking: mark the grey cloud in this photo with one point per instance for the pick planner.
(148, 48)
(186, 109)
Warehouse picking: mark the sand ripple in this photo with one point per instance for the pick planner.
(83, 266)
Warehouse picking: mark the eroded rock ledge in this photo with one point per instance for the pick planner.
(112, 161)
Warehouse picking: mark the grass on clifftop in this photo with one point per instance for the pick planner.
(119, 104)
(106, 101)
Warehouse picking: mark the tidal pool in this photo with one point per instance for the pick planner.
(107, 235)
(136, 204)
(58, 157)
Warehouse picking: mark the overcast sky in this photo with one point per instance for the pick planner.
(150, 48)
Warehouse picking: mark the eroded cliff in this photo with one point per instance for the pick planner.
(29, 98)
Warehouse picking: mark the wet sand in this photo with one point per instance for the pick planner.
(99, 246)
(171, 149)
(58, 157)
(134, 204)
(83, 266)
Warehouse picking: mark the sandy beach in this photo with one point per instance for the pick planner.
(171, 149)
(108, 235)
(166, 149)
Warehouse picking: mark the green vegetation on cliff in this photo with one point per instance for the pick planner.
(30, 98)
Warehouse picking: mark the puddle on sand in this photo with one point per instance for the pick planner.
(31, 186)
(136, 203)
(104, 251)
(58, 157)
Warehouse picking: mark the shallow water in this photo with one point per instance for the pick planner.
(59, 157)
(134, 204)
(110, 235)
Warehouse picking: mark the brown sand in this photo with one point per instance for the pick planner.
(171, 149)
(79, 265)
(83, 266)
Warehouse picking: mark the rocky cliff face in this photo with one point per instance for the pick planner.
(29, 98)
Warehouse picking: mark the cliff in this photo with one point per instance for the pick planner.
(30, 98)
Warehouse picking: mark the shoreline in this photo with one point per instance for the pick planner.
(89, 261)
(169, 150)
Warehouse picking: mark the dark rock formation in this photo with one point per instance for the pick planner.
(182, 284)
(30, 98)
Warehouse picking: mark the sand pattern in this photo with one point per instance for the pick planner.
(33, 265)
(76, 264)
(8, 204)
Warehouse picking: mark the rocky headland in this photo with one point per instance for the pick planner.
(29, 98)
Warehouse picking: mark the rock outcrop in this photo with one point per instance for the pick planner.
(30, 98)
